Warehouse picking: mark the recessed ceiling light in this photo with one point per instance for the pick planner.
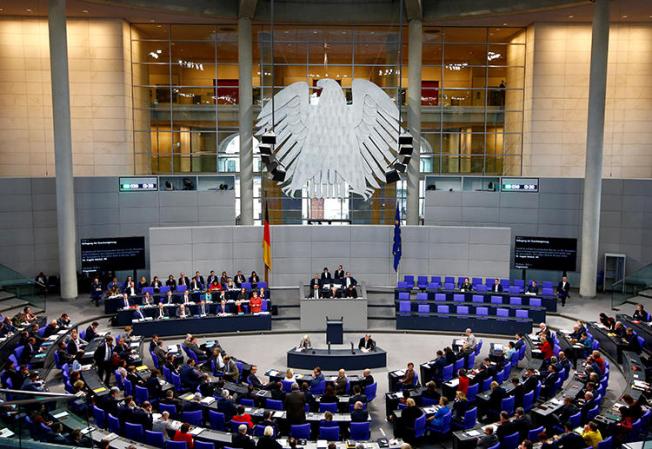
(152, 20)
(504, 24)
(571, 16)
(624, 17)
(28, 10)
(85, 11)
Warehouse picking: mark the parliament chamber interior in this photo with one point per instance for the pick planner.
(335, 224)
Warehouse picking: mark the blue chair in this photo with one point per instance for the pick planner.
(422, 282)
(449, 286)
(427, 402)
(462, 310)
(472, 392)
(575, 420)
(592, 413)
(404, 307)
(470, 419)
(155, 360)
(470, 361)
(300, 431)
(204, 444)
(195, 417)
(482, 311)
(545, 291)
(403, 296)
(478, 347)
(528, 401)
(440, 297)
(433, 286)
(129, 387)
(515, 301)
(458, 297)
(496, 300)
(449, 279)
(329, 433)
(436, 279)
(216, 420)
(370, 391)
(607, 443)
(328, 407)
(547, 284)
(486, 384)
(422, 296)
(510, 441)
(458, 365)
(167, 374)
(442, 309)
(141, 394)
(114, 424)
(175, 445)
(409, 278)
(533, 434)
(535, 302)
(495, 446)
(507, 404)
(155, 439)
(246, 402)
(176, 381)
(504, 313)
(259, 430)
(262, 284)
(478, 299)
(445, 427)
(523, 314)
(99, 416)
(423, 309)
(134, 431)
(447, 373)
(170, 408)
(420, 426)
(287, 385)
(361, 431)
(274, 404)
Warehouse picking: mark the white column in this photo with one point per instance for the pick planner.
(245, 116)
(65, 189)
(415, 45)
(594, 148)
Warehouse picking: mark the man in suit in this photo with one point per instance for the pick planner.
(496, 397)
(125, 301)
(91, 331)
(357, 395)
(349, 286)
(488, 439)
(549, 381)
(294, 405)
(231, 371)
(239, 278)
(366, 343)
(183, 280)
(193, 346)
(315, 291)
(522, 423)
(190, 376)
(103, 357)
(196, 284)
(359, 414)
(138, 314)
(253, 379)
(212, 277)
(315, 281)
(497, 287)
(226, 405)
(326, 277)
(339, 272)
(530, 380)
(437, 365)
(110, 402)
(563, 290)
(241, 440)
(505, 426)
(199, 277)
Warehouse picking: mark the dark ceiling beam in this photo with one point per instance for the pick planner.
(414, 9)
(247, 8)
(206, 9)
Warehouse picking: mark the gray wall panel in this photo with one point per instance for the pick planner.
(368, 260)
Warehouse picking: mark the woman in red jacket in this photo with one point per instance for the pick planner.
(183, 435)
(463, 380)
(255, 303)
(546, 349)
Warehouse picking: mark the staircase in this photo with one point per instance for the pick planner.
(10, 305)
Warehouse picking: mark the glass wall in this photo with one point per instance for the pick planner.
(185, 99)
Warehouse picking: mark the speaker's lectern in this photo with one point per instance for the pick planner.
(335, 331)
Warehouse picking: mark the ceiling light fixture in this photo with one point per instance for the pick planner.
(85, 11)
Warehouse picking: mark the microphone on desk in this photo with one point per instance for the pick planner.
(329, 347)
(352, 350)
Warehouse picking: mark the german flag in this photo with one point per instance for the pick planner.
(267, 241)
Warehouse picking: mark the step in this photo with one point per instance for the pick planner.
(12, 303)
(4, 295)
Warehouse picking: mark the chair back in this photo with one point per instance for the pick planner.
(134, 431)
(420, 426)
(607, 443)
(99, 416)
(507, 404)
(169, 444)
(274, 404)
(370, 391)
(195, 417)
(129, 388)
(155, 439)
(470, 418)
(170, 408)
(510, 441)
(528, 401)
(141, 394)
(216, 420)
(176, 381)
(361, 431)
(328, 407)
(318, 388)
(459, 364)
(575, 420)
(287, 385)
(259, 430)
(471, 392)
(440, 297)
(533, 434)
(447, 373)
(300, 431)
(114, 424)
(329, 433)
(404, 307)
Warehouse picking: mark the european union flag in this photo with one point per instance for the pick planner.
(396, 249)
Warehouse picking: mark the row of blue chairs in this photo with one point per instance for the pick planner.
(423, 280)
(405, 307)
(476, 299)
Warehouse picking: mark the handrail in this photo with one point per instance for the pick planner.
(40, 397)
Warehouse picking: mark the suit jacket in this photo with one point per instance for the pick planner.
(326, 277)
(339, 274)
(505, 429)
(486, 441)
(496, 288)
(496, 397)
(243, 442)
(351, 280)
(195, 285)
(138, 315)
(90, 333)
(239, 279)
(359, 416)
(369, 344)
(184, 281)
(563, 289)
(294, 406)
(189, 377)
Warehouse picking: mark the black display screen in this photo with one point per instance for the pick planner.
(545, 253)
(113, 254)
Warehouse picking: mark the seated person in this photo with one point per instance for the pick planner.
(431, 392)
(156, 284)
(406, 424)
(333, 292)
(171, 282)
(181, 311)
(436, 421)
(497, 286)
(316, 292)
(349, 285)
(359, 414)
(366, 343)
(640, 314)
(488, 439)
(532, 288)
(147, 299)
(408, 378)
(632, 341)
(222, 308)
(466, 285)
(137, 313)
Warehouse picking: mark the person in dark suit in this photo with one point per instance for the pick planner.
(567, 410)
(96, 291)
(190, 376)
(138, 314)
(241, 440)
(437, 366)
(153, 385)
(522, 423)
(549, 381)
(589, 403)
(103, 357)
(199, 277)
(326, 277)
(496, 397)
(171, 282)
(405, 427)
(91, 331)
(359, 414)
(193, 345)
(488, 439)
(339, 272)
(357, 395)
(267, 441)
(349, 285)
(156, 284)
(518, 391)
(633, 344)
(212, 277)
(254, 279)
(563, 290)
(497, 287)
(196, 284)
(294, 405)
(505, 426)
(532, 288)
(183, 280)
(569, 439)
(315, 281)
(368, 378)
(466, 285)
(367, 343)
(640, 314)
(109, 403)
(239, 278)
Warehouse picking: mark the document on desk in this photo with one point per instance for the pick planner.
(279, 414)
(474, 433)
(207, 400)
(196, 431)
(60, 415)
(399, 372)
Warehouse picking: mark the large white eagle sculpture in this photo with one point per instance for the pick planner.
(332, 144)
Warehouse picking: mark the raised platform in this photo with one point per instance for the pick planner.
(206, 325)
(340, 356)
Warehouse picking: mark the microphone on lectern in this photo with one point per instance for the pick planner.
(352, 350)
(329, 347)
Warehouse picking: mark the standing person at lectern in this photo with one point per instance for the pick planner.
(339, 272)
(496, 288)
(305, 343)
(563, 290)
(366, 344)
(349, 285)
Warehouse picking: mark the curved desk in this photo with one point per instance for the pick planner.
(207, 325)
(459, 323)
(336, 359)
